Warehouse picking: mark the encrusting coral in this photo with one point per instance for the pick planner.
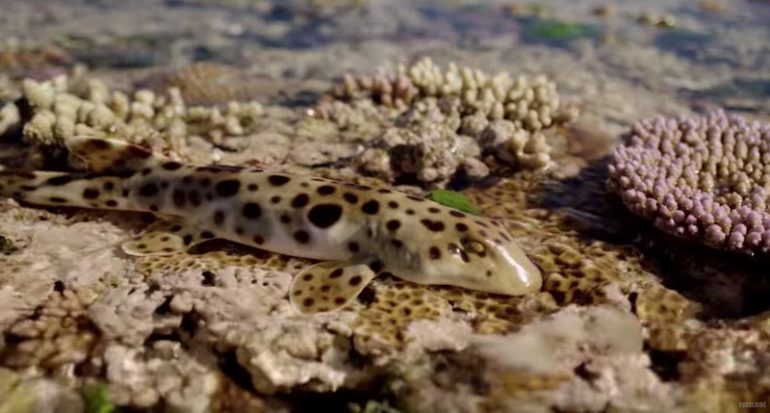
(705, 178)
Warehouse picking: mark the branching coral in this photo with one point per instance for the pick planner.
(63, 107)
(704, 178)
(532, 104)
(436, 122)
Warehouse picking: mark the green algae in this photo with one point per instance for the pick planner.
(558, 32)
(454, 200)
(97, 400)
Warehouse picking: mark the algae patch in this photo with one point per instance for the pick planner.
(454, 200)
(97, 400)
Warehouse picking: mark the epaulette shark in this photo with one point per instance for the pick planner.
(357, 232)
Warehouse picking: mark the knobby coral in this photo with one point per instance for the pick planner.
(67, 106)
(436, 122)
(705, 178)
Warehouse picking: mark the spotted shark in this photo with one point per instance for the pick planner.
(355, 231)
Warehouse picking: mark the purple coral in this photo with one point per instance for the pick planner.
(704, 178)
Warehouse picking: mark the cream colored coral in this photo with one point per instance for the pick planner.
(10, 118)
(64, 107)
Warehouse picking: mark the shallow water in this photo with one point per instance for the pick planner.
(629, 319)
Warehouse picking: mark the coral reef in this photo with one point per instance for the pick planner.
(78, 105)
(703, 178)
(531, 104)
(435, 123)
(628, 319)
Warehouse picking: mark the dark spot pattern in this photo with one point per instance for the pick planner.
(228, 187)
(434, 253)
(252, 187)
(137, 152)
(336, 273)
(308, 302)
(456, 213)
(111, 203)
(178, 198)
(351, 198)
(326, 189)
(278, 180)
(410, 211)
(187, 239)
(58, 200)
(355, 280)
(194, 197)
(434, 210)
(258, 239)
(172, 166)
(300, 201)
(396, 243)
(371, 207)
(109, 186)
(307, 277)
(302, 237)
(148, 190)
(393, 204)
(353, 246)
(324, 215)
(90, 193)
(219, 217)
(251, 210)
(276, 199)
(207, 235)
(435, 226)
(461, 227)
(59, 180)
(393, 225)
(376, 266)
(285, 219)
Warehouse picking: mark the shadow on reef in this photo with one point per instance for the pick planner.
(727, 285)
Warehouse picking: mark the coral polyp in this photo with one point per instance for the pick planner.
(705, 178)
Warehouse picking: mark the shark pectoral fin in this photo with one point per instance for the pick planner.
(100, 155)
(166, 238)
(328, 286)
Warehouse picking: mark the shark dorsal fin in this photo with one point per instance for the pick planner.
(99, 155)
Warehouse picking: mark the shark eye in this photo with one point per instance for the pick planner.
(475, 247)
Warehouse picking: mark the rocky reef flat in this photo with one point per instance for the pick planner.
(622, 145)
